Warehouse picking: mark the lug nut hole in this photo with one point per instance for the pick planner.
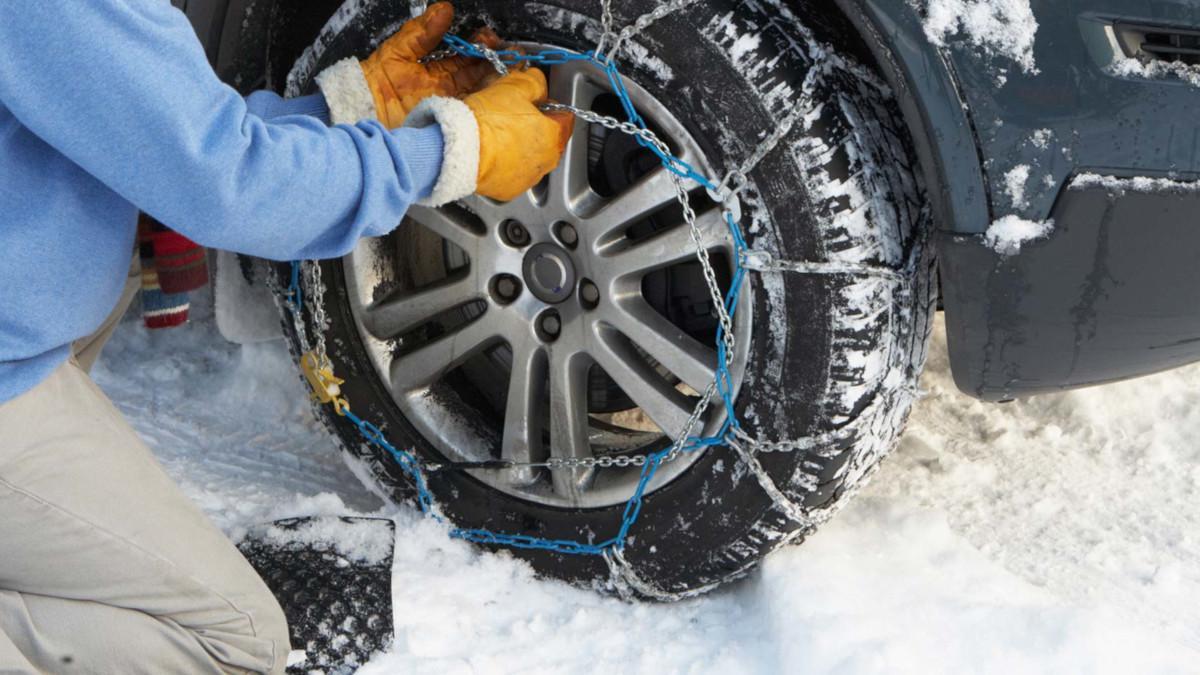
(566, 233)
(589, 294)
(549, 325)
(514, 233)
(505, 288)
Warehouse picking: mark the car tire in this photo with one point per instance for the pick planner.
(833, 360)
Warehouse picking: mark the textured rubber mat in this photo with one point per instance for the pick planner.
(332, 577)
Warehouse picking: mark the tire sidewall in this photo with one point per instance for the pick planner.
(713, 521)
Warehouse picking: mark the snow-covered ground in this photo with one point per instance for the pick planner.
(1061, 534)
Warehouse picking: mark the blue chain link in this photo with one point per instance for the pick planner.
(412, 466)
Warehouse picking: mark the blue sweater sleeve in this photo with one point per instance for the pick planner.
(123, 89)
(269, 106)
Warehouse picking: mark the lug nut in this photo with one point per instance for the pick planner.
(589, 294)
(506, 288)
(514, 233)
(567, 235)
(550, 325)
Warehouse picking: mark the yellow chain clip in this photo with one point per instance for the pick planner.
(326, 387)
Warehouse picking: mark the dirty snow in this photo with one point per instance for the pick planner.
(1003, 27)
(1048, 536)
(1008, 234)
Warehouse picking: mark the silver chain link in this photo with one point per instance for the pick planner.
(608, 122)
(493, 58)
(316, 289)
(763, 261)
(606, 24)
(737, 179)
(639, 24)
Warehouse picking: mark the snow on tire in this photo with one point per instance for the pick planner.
(832, 361)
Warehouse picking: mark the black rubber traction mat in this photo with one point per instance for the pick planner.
(339, 608)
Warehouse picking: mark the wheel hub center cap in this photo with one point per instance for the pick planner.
(549, 273)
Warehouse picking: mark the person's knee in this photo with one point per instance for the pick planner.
(269, 625)
(250, 634)
(275, 628)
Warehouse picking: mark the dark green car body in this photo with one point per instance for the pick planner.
(1113, 291)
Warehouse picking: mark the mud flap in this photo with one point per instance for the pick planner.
(332, 576)
(245, 310)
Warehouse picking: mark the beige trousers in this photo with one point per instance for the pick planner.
(105, 566)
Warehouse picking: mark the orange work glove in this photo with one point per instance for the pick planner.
(389, 84)
(496, 142)
(518, 144)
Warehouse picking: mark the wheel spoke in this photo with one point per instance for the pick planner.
(403, 312)
(671, 246)
(523, 422)
(488, 210)
(570, 83)
(450, 224)
(427, 364)
(413, 296)
(569, 182)
(658, 399)
(568, 419)
(685, 357)
(648, 194)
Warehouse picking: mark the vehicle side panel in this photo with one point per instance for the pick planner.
(1106, 296)
(1110, 294)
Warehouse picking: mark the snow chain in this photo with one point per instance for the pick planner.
(306, 291)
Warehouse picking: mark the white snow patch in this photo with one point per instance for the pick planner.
(1008, 234)
(1041, 138)
(743, 46)
(356, 540)
(1014, 184)
(1048, 536)
(1123, 66)
(1003, 27)
(1137, 184)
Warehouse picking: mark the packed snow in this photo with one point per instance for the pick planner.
(1008, 234)
(1048, 536)
(1004, 27)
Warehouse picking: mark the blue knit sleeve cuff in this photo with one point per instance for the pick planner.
(312, 105)
(425, 152)
(269, 105)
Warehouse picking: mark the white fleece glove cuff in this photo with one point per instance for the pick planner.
(460, 142)
(344, 85)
